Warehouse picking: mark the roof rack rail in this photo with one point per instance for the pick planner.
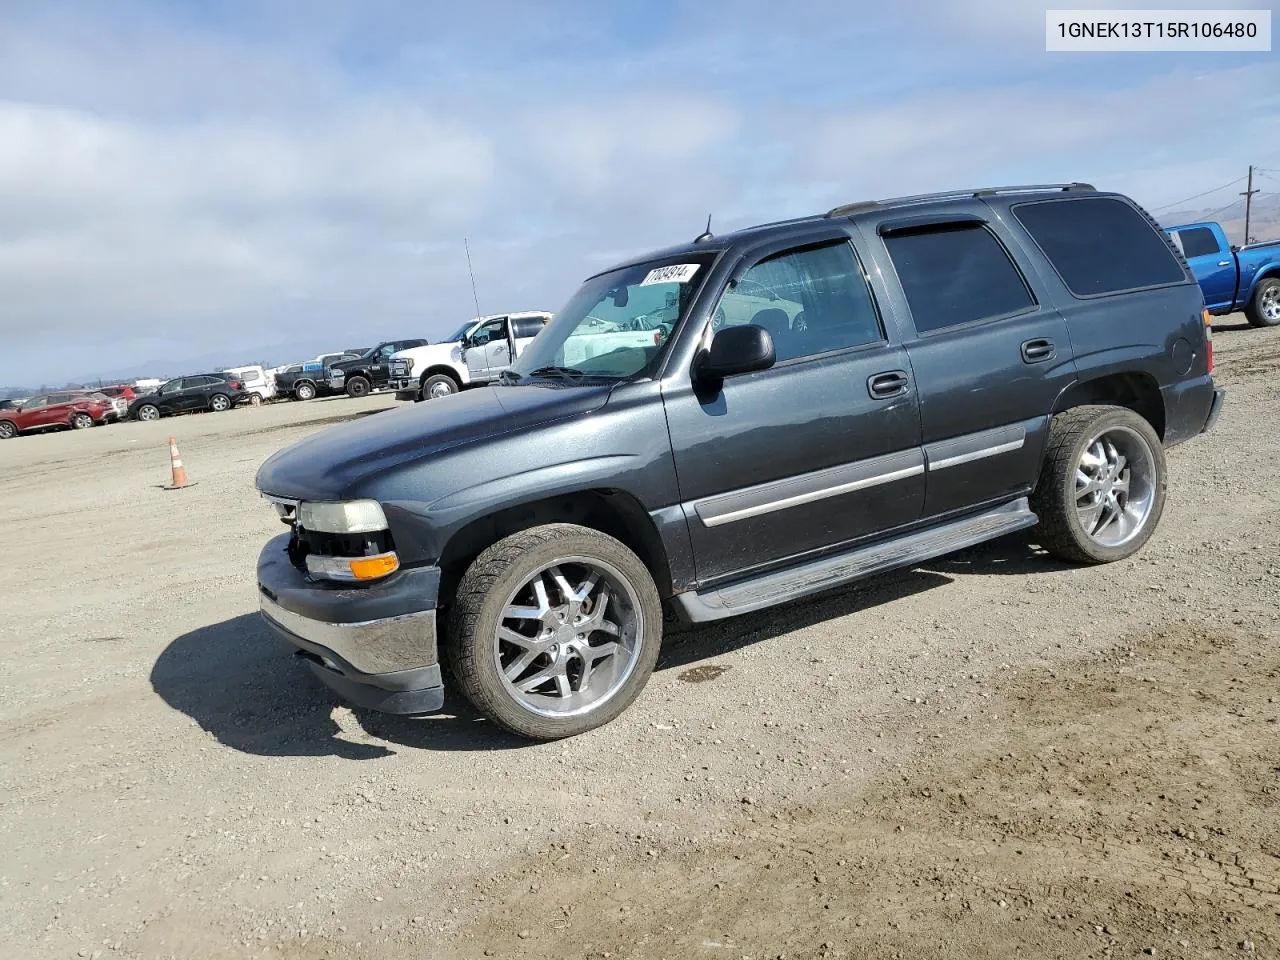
(862, 206)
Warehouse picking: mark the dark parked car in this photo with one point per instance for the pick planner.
(915, 376)
(205, 391)
(370, 371)
(63, 410)
(303, 381)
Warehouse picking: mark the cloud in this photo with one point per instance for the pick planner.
(179, 181)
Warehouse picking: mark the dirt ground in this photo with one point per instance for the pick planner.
(993, 755)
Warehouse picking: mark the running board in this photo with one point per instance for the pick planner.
(831, 571)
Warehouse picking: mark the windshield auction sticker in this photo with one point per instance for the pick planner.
(676, 273)
(1095, 31)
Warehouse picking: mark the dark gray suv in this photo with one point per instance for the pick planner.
(736, 422)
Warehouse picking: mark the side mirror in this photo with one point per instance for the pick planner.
(738, 349)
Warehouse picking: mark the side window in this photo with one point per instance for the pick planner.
(36, 403)
(1198, 242)
(811, 301)
(493, 330)
(956, 273)
(173, 386)
(1100, 245)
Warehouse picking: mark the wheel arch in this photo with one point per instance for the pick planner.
(1134, 389)
(1270, 272)
(440, 369)
(609, 510)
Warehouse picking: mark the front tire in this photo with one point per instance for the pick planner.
(357, 387)
(1102, 486)
(305, 390)
(219, 402)
(554, 631)
(7, 430)
(81, 421)
(436, 386)
(255, 399)
(1263, 310)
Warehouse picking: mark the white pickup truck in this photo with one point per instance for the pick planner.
(477, 353)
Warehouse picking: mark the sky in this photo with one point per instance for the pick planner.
(196, 182)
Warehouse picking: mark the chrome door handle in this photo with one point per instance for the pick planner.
(1224, 263)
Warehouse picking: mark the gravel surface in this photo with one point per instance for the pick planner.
(992, 755)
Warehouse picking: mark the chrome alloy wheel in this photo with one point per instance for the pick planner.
(148, 412)
(569, 637)
(1270, 305)
(1115, 486)
(440, 389)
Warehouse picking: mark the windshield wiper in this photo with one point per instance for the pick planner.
(564, 373)
(508, 376)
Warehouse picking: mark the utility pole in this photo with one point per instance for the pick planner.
(1248, 203)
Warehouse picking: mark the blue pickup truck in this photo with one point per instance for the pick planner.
(1232, 278)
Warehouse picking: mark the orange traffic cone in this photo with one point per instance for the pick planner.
(179, 471)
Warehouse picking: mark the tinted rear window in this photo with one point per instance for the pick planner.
(1099, 245)
(1198, 242)
(956, 274)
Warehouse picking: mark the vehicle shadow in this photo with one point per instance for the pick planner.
(1016, 555)
(689, 644)
(1241, 324)
(243, 686)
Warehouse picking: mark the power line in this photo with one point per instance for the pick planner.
(1198, 195)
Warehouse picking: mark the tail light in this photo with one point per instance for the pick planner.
(1208, 338)
(235, 384)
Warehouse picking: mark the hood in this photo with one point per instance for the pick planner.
(432, 353)
(332, 464)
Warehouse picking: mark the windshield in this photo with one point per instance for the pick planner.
(459, 333)
(618, 323)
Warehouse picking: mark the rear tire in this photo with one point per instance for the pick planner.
(357, 387)
(219, 402)
(305, 390)
(81, 421)
(436, 386)
(1102, 485)
(1263, 310)
(581, 608)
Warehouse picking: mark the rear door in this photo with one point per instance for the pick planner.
(1213, 264)
(822, 448)
(988, 357)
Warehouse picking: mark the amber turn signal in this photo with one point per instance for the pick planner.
(371, 568)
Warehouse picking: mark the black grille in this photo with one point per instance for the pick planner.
(307, 542)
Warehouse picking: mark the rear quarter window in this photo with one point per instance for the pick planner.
(1100, 245)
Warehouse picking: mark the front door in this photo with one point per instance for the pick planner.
(818, 450)
(169, 397)
(35, 413)
(488, 351)
(989, 358)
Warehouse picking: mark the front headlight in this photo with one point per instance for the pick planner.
(408, 364)
(354, 516)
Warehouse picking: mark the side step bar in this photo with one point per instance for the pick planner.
(831, 571)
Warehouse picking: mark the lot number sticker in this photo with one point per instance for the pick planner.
(676, 273)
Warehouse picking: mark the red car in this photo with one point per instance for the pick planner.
(53, 411)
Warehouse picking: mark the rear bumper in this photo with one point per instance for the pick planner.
(1215, 408)
(375, 645)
